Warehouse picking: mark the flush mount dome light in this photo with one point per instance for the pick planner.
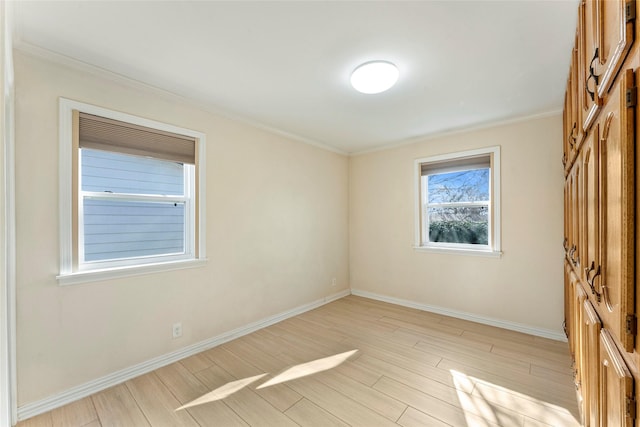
(374, 77)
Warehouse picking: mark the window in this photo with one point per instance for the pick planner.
(457, 202)
(131, 192)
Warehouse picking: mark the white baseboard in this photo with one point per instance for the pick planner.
(545, 333)
(71, 395)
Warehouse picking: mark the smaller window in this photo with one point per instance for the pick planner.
(457, 204)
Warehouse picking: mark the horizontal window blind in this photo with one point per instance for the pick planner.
(105, 134)
(446, 166)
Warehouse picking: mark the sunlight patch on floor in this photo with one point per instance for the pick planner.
(297, 371)
(222, 392)
(488, 400)
(471, 406)
(309, 368)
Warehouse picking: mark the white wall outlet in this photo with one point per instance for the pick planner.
(333, 282)
(177, 330)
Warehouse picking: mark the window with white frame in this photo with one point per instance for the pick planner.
(457, 202)
(131, 194)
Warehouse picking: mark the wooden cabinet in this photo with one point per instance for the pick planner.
(601, 201)
(591, 327)
(575, 204)
(572, 123)
(589, 99)
(591, 212)
(568, 298)
(567, 149)
(576, 123)
(617, 399)
(614, 37)
(614, 277)
(577, 332)
(605, 37)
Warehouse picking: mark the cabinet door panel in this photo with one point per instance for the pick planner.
(566, 126)
(588, 95)
(567, 303)
(617, 403)
(617, 215)
(579, 297)
(576, 123)
(615, 37)
(572, 125)
(569, 213)
(576, 204)
(590, 365)
(591, 212)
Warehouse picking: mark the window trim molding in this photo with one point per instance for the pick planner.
(496, 249)
(67, 275)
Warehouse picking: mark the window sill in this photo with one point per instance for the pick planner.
(458, 251)
(135, 270)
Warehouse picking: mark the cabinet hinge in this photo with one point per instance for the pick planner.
(631, 323)
(631, 408)
(630, 10)
(631, 97)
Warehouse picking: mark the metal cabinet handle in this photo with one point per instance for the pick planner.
(588, 270)
(592, 75)
(593, 286)
(590, 280)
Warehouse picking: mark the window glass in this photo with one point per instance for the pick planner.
(457, 206)
(116, 229)
(124, 210)
(104, 171)
(468, 225)
(461, 186)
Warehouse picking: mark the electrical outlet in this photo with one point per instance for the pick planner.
(177, 330)
(333, 282)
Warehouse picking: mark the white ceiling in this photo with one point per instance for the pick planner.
(286, 65)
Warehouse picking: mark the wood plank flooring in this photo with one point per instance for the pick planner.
(410, 368)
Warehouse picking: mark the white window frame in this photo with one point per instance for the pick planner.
(493, 249)
(109, 269)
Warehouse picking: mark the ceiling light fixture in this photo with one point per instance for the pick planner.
(374, 77)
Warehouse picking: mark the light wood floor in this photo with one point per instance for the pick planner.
(411, 368)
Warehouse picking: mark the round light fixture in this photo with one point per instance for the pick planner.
(374, 77)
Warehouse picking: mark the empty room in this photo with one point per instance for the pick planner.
(319, 213)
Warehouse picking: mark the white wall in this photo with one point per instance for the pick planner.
(7, 265)
(277, 233)
(524, 286)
